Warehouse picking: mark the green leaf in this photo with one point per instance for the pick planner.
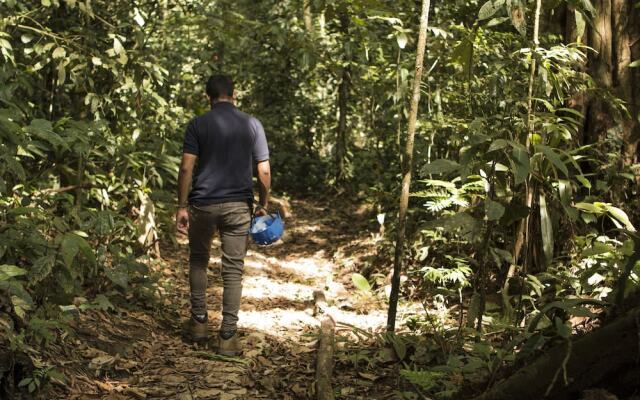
(635, 64)
(621, 216)
(489, 8)
(546, 228)
(71, 245)
(590, 208)
(561, 328)
(440, 166)
(10, 271)
(41, 268)
(402, 39)
(360, 282)
(494, 210)
(117, 46)
(521, 163)
(498, 144)
(59, 52)
(584, 181)
(554, 157)
(580, 25)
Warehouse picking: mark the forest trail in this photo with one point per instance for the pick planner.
(137, 355)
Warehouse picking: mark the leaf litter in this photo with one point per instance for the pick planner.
(139, 353)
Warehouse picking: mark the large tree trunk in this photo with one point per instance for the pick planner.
(407, 166)
(599, 118)
(623, 12)
(343, 93)
(593, 360)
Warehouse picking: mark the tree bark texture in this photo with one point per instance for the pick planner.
(407, 166)
(589, 361)
(326, 342)
(599, 115)
(623, 12)
(343, 94)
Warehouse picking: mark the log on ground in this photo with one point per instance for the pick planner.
(593, 359)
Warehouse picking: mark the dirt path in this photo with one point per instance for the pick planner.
(136, 355)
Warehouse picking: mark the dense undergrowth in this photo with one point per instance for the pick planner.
(521, 223)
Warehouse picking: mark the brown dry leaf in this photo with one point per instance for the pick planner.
(207, 393)
(173, 379)
(238, 391)
(105, 386)
(135, 392)
(370, 377)
(227, 396)
(347, 390)
(100, 361)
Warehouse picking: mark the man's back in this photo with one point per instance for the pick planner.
(227, 142)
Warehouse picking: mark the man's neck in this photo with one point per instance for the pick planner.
(222, 100)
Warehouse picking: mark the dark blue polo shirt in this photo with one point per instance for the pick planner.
(227, 142)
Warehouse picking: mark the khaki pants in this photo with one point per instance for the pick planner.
(232, 220)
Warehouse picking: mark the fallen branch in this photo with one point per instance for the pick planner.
(62, 189)
(326, 342)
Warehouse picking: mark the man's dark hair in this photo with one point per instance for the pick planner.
(219, 85)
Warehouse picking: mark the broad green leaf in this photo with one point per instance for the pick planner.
(440, 166)
(489, 8)
(494, 210)
(463, 54)
(41, 268)
(401, 38)
(546, 228)
(580, 25)
(635, 64)
(117, 46)
(9, 271)
(71, 245)
(59, 52)
(590, 208)
(584, 181)
(521, 164)
(498, 144)
(138, 17)
(621, 216)
(360, 282)
(554, 157)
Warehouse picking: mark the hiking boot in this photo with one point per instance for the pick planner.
(229, 344)
(195, 331)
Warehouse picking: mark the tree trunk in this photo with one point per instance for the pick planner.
(307, 16)
(599, 116)
(407, 166)
(623, 15)
(343, 93)
(589, 361)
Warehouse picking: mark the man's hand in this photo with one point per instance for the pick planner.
(182, 220)
(260, 211)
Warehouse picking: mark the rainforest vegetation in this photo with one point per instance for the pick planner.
(466, 172)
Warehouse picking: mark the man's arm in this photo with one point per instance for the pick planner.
(184, 184)
(264, 184)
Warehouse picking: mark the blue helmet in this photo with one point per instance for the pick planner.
(266, 229)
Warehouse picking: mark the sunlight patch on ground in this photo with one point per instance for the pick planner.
(260, 287)
(268, 321)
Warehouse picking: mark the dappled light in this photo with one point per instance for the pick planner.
(314, 199)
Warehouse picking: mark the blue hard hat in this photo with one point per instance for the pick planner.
(266, 229)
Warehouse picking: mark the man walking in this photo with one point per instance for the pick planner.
(225, 143)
